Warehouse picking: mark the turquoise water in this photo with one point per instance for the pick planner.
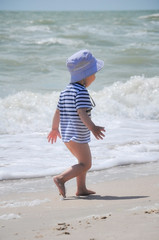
(34, 47)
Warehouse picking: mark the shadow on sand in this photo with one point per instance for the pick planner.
(99, 197)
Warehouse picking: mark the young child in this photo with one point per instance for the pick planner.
(74, 115)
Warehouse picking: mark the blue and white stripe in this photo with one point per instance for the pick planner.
(75, 96)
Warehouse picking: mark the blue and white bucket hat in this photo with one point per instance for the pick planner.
(83, 64)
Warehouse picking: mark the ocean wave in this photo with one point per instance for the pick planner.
(58, 41)
(37, 29)
(137, 98)
(26, 112)
(43, 22)
(154, 17)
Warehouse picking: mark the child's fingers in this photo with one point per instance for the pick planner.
(101, 137)
(52, 137)
(48, 137)
(55, 138)
(99, 134)
(102, 129)
(59, 135)
(102, 134)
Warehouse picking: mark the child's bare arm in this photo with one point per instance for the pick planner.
(55, 128)
(96, 130)
(56, 120)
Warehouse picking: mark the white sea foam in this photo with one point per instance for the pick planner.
(9, 216)
(155, 206)
(12, 204)
(26, 112)
(138, 98)
(154, 16)
(59, 41)
(38, 28)
(129, 112)
(126, 142)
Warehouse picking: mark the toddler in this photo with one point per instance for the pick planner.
(73, 113)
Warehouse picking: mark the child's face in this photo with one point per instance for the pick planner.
(89, 80)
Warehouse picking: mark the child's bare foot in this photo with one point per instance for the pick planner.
(60, 186)
(85, 192)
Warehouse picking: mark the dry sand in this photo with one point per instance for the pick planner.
(125, 209)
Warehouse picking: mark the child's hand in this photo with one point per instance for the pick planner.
(98, 132)
(53, 135)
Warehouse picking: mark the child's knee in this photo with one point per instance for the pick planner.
(89, 165)
(86, 166)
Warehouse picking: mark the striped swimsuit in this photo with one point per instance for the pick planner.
(75, 96)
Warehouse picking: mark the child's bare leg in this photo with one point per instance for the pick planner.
(81, 186)
(70, 173)
(83, 154)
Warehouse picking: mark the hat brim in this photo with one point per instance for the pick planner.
(100, 64)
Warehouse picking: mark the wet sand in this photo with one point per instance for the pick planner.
(126, 209)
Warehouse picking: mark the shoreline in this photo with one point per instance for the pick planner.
(122, 208)
(94, 176)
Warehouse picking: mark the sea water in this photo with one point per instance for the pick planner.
(34, 47)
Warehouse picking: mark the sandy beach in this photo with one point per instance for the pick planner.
(126, 208)
(125, 168)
